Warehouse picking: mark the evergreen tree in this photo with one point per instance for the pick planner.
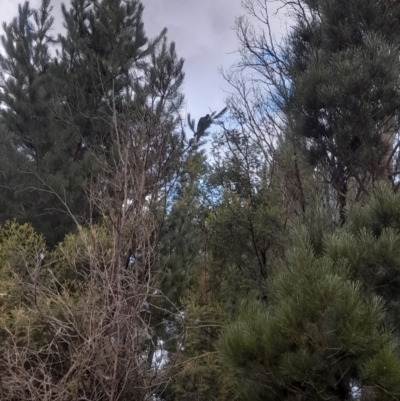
(104, 53)
(343, 101)
(369, 244)
(59, 113)
(25, 69)
(32, 146)
(329, 89)
(322, 333)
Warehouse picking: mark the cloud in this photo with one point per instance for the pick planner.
(204, 38)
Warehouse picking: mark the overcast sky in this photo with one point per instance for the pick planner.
(204, 36)
(202, 31)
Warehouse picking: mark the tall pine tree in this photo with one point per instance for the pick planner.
(59, 113)
(343, 100)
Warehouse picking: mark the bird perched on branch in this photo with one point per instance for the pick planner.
(204, 124)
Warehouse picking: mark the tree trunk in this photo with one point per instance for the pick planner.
(387, 137)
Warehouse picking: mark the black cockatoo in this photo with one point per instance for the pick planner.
(204, 124)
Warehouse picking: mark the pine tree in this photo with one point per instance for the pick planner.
(103, 54)
(32, 146)
(59, 113)
(25, 69)
(369, 243)
(328, 88)
(327, 328)
(342, 61)
(322, 333)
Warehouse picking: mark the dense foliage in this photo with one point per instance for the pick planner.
(139, 264)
